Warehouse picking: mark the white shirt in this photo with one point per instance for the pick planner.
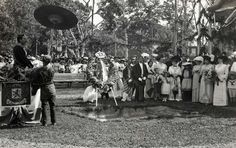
(233, 68)
(175, 70)
(141, 66)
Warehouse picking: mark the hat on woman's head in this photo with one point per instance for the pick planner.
(145, 55)
(187, 64)
(100, 55)
(234, 53)
(155, 55)
(199, 58)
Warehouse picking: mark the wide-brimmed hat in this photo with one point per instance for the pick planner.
(234, 54)
(155, 55)
(85, 58)
(100, 55)
(199, 58)
(145, 55)
(31, 58)
(186, 64)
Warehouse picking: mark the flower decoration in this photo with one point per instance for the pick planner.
(100, 55)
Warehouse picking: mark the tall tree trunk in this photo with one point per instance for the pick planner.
(175, 39)
(126, 46)
(82, 49)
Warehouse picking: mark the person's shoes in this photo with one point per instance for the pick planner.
(123, 100)
(129, 99)
(53, 124)
(44, 124)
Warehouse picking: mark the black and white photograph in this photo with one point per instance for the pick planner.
(118, 73)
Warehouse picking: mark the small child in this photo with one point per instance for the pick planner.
(157, 84)
(165, 87)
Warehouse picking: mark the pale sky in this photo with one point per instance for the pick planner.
(97, 18)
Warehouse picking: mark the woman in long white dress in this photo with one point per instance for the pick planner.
(196, 77)
(206, 84)
(220, 92)
(232, 81)
(175, 72)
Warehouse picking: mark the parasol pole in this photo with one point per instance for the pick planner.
(36, 47)
(51, 42)
(93, 15)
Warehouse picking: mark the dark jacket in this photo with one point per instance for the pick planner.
(43, 76)
(20, 57)
(136, 72)
(127, 73)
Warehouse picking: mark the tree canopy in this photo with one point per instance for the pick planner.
(133, 24)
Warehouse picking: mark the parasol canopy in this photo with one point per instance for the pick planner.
(55, 17)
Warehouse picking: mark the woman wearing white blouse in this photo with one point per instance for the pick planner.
(220, 92)
(232, 80)
(175, 72)
(196, 76)
(206, 84)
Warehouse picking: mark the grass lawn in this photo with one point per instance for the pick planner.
(214, 127)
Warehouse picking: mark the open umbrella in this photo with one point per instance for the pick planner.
(55, 17)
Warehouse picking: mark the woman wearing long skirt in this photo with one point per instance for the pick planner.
(220, 92)
(113, 76)
(232, 81)
(187, 81)
(128, 89)
(158, 87)
(149, 87)
(175, 73)
(206, 84)
(196, 77)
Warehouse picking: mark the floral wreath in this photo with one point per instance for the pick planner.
(100, 55)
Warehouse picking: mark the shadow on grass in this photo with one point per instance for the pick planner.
(16, 126)
(187, 109)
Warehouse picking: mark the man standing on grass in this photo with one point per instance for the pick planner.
(139, 75)
(44, 76)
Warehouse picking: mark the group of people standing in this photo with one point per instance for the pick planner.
(203, 79)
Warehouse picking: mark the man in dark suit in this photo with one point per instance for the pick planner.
(20, 55)
(139, 75)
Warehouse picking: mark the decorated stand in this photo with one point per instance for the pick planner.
(17, 105)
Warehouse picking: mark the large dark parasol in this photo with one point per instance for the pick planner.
(55, 17)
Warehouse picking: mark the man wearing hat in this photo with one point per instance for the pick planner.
(44, 79)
